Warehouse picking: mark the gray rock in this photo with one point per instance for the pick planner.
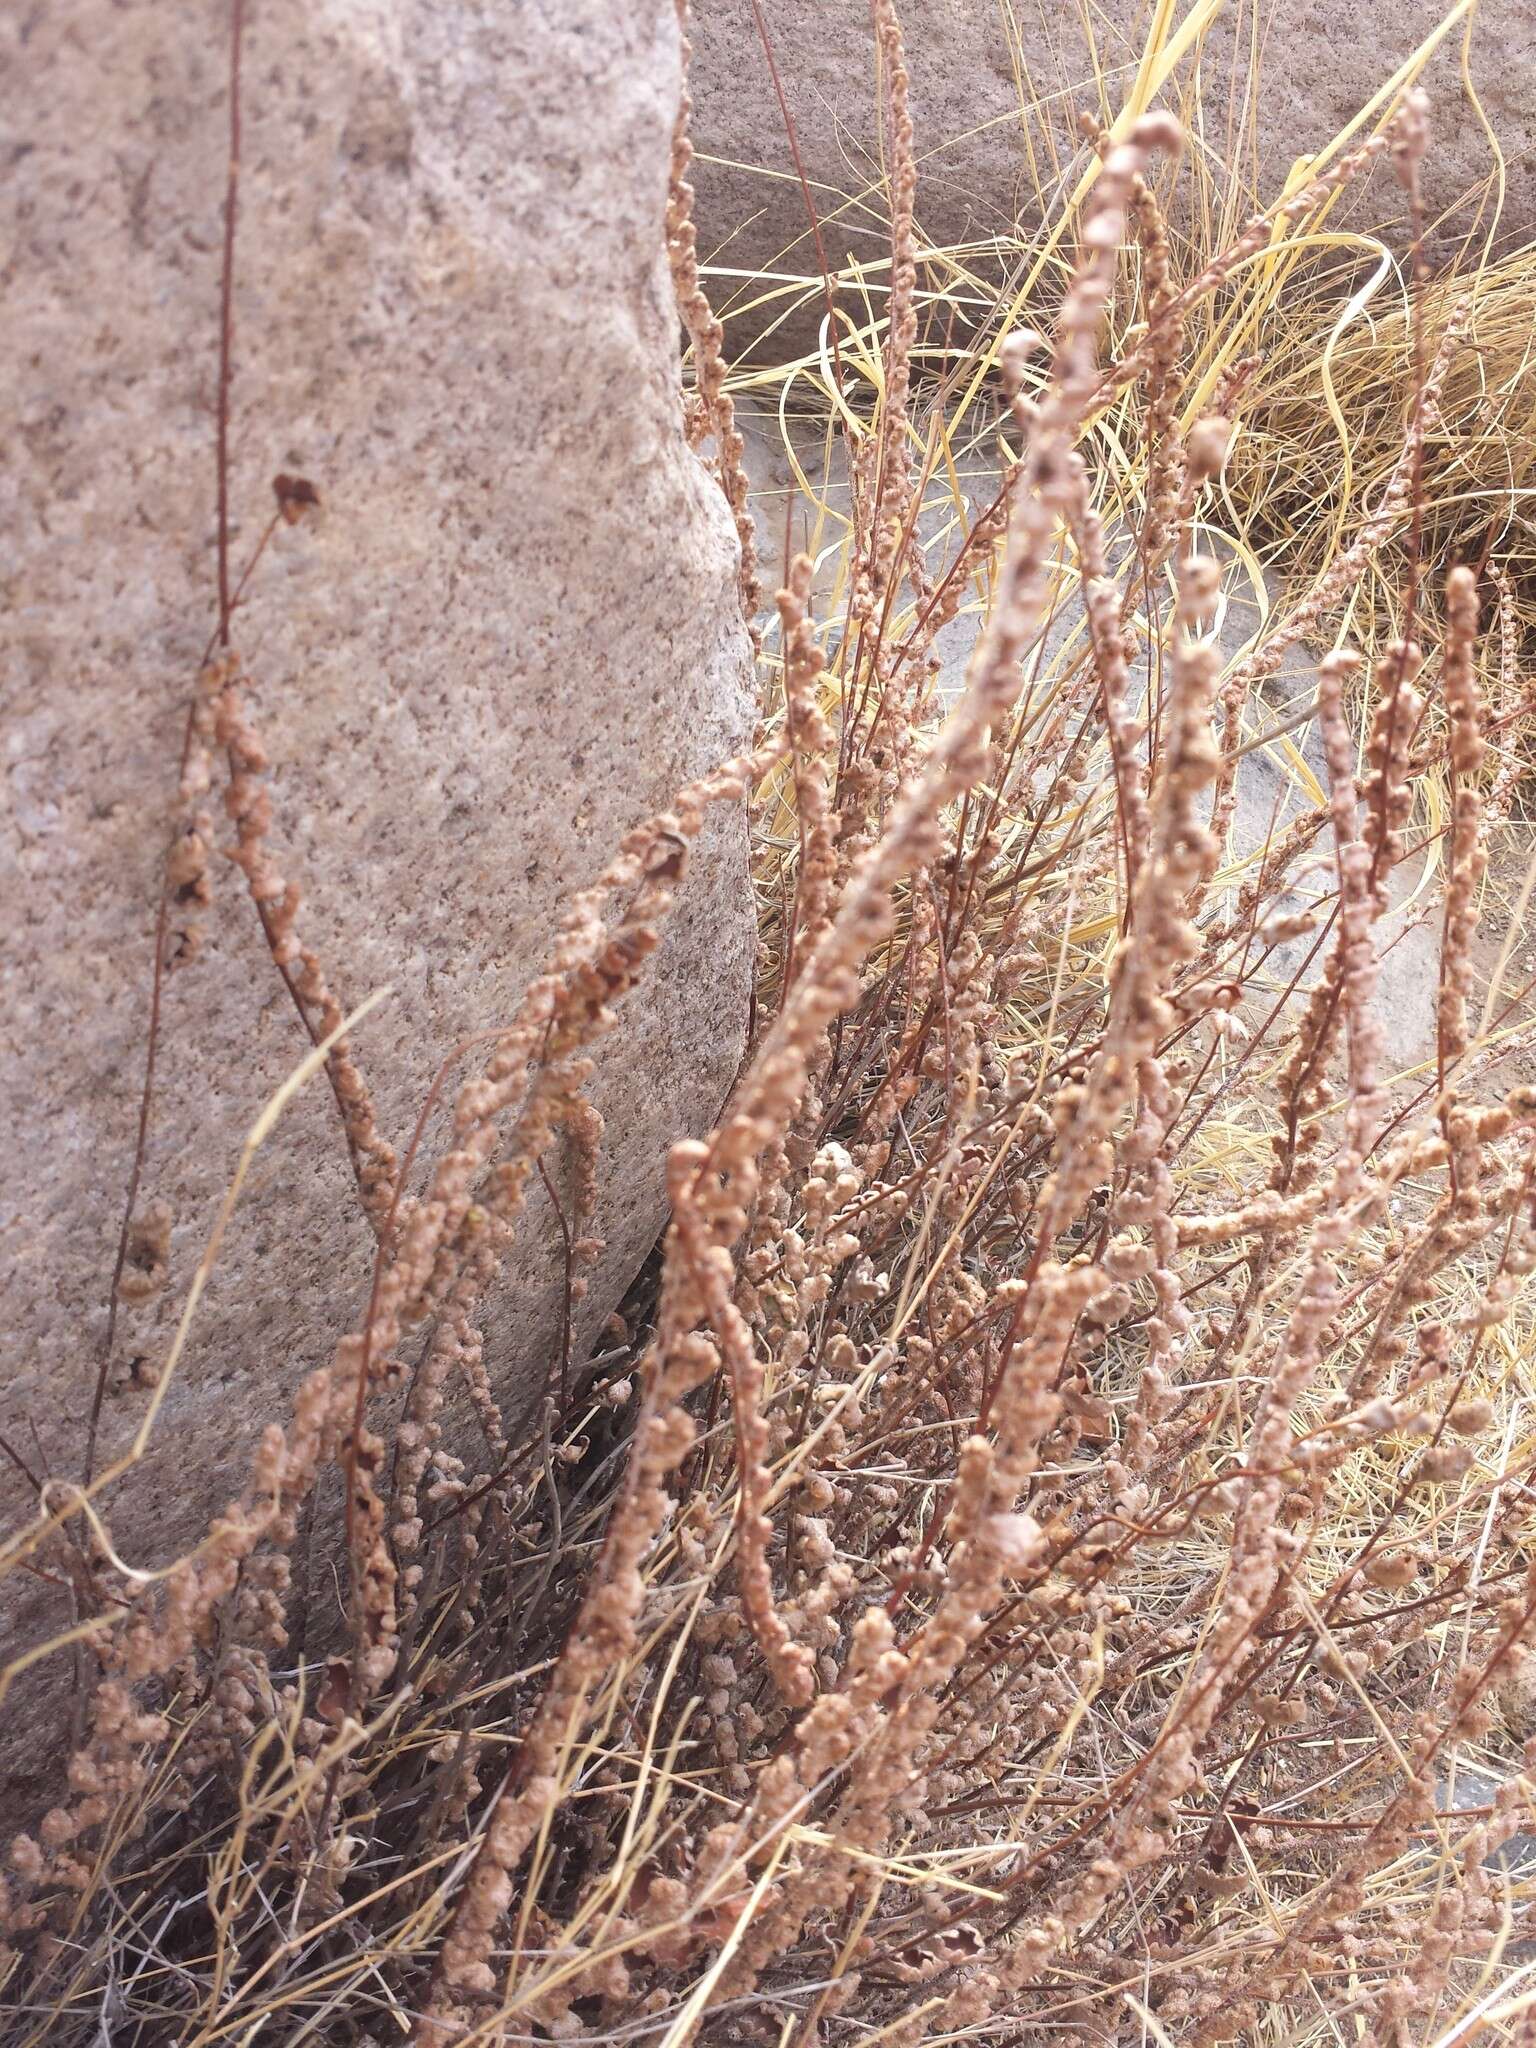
(1471, 1787)
(1269, 791)
(508, 635)
(1276, 82)
(1269, 795)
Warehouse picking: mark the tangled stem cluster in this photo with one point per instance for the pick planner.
(1036, 1562)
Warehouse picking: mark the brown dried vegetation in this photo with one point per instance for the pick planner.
(1055, 1523)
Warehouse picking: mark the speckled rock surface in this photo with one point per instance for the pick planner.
(509, 634)
(1277, 81)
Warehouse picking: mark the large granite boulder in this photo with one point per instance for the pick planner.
(509, 631)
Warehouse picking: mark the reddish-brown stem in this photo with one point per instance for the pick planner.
(227, 315)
